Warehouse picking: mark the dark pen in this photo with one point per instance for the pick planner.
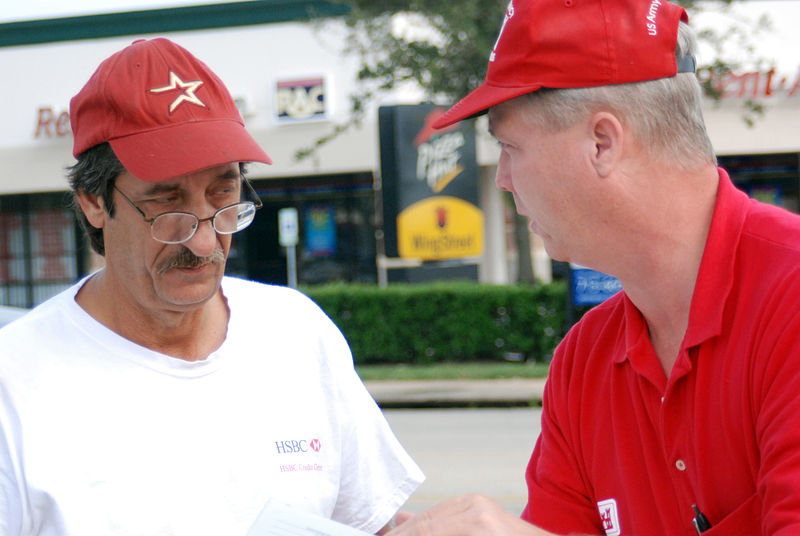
(700, 521)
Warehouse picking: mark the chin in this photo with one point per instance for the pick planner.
(554, 252)
(189, 296)
(186, 303)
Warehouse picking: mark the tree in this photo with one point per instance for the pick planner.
(442, 47)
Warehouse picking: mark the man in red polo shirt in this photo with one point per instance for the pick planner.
(673, 407)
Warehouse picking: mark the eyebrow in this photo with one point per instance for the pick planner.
(229, 174)
(160, 188)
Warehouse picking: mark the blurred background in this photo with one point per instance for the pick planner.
(395, 229)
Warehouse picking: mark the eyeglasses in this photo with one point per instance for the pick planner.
(179, 227)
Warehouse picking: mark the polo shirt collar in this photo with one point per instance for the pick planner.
(714, 279)
(716, 276)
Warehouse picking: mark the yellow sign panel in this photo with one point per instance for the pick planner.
(439, 228)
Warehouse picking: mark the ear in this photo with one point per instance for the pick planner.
(93, 208)
(607, 136)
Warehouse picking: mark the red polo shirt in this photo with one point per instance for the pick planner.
(624, 450)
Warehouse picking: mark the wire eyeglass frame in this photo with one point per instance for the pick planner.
(245, 213)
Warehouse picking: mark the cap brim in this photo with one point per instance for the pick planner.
(479, 101)
(173, 151)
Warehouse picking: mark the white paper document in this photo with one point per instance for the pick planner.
(280, 520)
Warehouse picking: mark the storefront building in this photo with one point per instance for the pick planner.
(292, 84)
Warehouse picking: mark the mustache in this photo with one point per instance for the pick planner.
(186, 259)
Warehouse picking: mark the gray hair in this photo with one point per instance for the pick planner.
(665, 114)
(96, 173)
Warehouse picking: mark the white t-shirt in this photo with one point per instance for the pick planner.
(101, 436)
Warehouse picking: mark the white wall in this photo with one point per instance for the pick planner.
(777, 131)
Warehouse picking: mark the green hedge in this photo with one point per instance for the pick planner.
(445, 321)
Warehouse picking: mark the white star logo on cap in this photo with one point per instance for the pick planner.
(187, 91)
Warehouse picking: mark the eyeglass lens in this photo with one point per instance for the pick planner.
(177, 227)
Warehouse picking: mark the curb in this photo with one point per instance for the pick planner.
(396, 394)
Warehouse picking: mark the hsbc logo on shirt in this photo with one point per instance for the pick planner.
(298, 446)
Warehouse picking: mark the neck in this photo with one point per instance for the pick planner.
(660, 260)
(191, 334)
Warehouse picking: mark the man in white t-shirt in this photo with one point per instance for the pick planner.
(157, 396)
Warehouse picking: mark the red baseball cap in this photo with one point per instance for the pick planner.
(164, 112)
(575, 43)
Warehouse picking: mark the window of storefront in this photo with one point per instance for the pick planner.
(772, 178)
(38, 248)
(336, 220)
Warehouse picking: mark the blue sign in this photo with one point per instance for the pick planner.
(590, 287)
(320, 230)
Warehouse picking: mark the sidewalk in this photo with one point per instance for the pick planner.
(457, 393)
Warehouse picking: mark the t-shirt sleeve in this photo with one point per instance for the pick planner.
(377, 475)
(11, 514)
(559, 498)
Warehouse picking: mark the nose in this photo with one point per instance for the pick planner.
(502, 177)
(204, 241)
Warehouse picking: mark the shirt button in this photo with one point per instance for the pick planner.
(680, 465)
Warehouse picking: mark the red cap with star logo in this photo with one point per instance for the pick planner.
(164, 112)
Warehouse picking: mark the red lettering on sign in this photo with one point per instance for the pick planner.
(751, 85)
(45, 120)
(49, 125)
(796, 87)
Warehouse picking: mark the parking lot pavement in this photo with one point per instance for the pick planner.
(468, 450)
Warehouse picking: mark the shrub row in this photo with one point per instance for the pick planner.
(445, 321)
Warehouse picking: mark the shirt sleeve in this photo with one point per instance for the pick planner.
(11, 513)
(559, 499)
(377, 475)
